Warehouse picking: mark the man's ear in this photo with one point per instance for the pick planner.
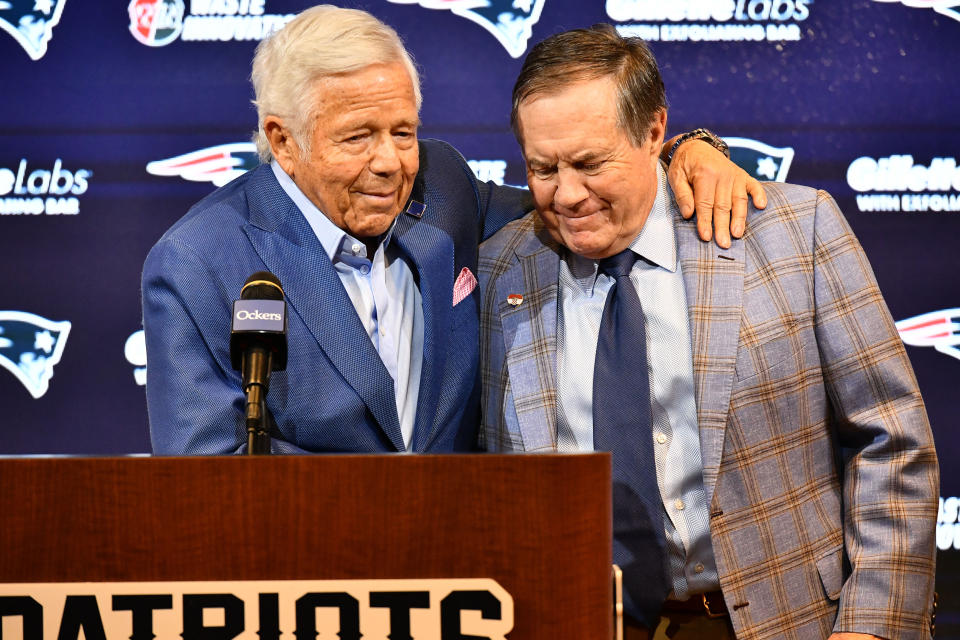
(658, 129)
(284, 148)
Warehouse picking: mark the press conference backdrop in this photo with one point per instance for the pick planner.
(117, 116)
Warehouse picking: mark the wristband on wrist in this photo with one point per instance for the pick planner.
(700, 134)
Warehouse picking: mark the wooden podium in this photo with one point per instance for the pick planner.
(539, 525)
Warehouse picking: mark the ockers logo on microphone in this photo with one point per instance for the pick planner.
(259, 315)
(710, 20)
(29, 190)
(900, 183)
(256, 314)
(156, 23)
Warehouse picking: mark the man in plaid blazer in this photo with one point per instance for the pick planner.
(819, 477)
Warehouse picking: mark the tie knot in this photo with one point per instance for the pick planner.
(618, 265)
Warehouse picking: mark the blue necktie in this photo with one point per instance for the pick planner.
(621, 425)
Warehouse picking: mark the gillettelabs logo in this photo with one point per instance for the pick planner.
(710, 20)
(41, 191)
(31, 23)
(915, 186)
(30, 346)
(509, 21)
(949, 8)
(156, 23)
(219, 164)
(760, 160)
(938, 329)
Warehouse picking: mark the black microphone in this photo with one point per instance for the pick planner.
(258, 346)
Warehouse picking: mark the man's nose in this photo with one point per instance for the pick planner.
(385, 158)
(571, 189)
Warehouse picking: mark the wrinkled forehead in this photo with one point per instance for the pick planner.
(384, 90)
(586, 104)
(394, 69)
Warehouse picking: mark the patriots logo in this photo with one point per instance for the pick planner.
(509, 21)
(949, 8)
(135, 351)
(938, 329)
(219, 164)
(31, 23)
(760, 160)
(30, 346)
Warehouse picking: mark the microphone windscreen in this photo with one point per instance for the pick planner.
(259, 319)
(262, 285)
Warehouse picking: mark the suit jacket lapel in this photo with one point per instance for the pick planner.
(530, 337)
(286, 243)
(713, 279)
(431, 252)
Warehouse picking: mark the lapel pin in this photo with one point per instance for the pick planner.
(514, 299)
(416, 209)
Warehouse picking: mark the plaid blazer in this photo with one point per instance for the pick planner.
(818, 460)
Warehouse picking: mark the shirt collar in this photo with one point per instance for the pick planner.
(656, 241)
(337, 243)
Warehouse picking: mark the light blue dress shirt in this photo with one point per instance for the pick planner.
(673, 411)
(385, 295)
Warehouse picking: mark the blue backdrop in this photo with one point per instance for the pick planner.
(116, 117)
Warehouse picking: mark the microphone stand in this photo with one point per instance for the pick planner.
(256, 375)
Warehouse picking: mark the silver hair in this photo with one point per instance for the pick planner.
(321, 41)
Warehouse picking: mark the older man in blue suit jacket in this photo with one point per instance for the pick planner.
(374, 237)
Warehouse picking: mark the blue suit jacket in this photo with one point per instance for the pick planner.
(335, 395)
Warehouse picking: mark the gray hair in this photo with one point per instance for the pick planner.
(321, 41)
(588, 54)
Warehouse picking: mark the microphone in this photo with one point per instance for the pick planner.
(258, 346)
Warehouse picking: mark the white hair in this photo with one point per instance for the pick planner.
(321, 41)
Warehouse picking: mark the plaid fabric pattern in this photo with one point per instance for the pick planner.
(818, 458)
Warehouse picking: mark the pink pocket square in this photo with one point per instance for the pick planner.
(465, 284)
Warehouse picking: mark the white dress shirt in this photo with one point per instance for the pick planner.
(673, 412)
